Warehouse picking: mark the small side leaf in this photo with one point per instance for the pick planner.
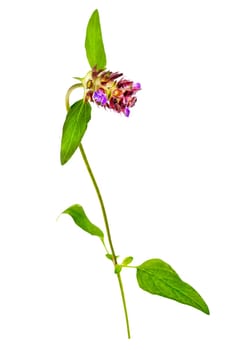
(110, 257)
(94, 43)
(157, 277)
(117, 269)
(79, 216)
(127, 260)
(74, 128)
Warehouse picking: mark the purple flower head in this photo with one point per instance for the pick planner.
(110, 90)
(99, 97)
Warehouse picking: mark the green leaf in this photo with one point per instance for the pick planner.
(110, 256)
(157, 277)
(94, 43)
(79, 216)
(74, 128)
(117, 268)
(127, 260)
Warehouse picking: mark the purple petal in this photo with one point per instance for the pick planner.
(136, 86)
(100, 97)
(126, 111)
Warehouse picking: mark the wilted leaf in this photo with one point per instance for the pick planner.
(79, 216)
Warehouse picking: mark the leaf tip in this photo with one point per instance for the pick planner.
(58, 217)
(62, 160)
(206, 310)
(63, 157)
(95, 12)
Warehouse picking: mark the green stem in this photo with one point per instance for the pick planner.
(130, 266)
(114, 258)
(100, 201)
(67, 98)
(124, 304)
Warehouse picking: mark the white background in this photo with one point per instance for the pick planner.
(165, 173)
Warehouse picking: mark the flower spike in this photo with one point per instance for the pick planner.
(110, 90)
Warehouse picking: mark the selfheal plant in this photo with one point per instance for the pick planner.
(111, 91)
